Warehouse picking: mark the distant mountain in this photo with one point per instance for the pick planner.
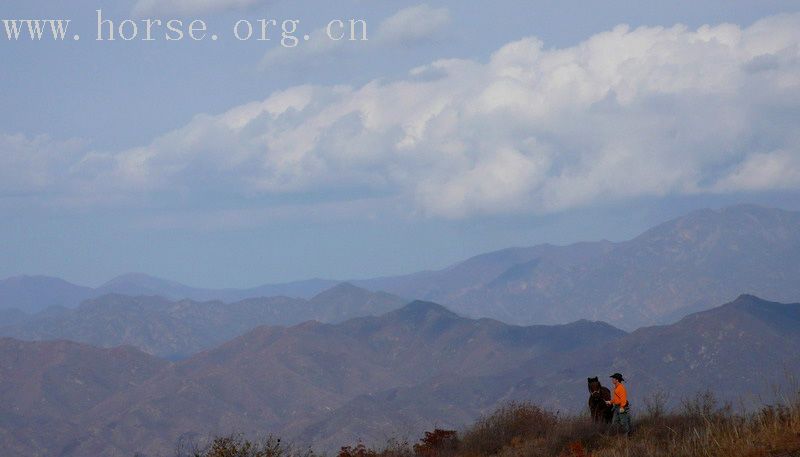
(284, 379)
(685, 265)
(141, 284)
(32, 294)
(456, 281)
(13, 316)
(47, 387)
(177, 329)
(679, 267)
(346, 301)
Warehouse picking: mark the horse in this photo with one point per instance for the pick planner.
(598, 395)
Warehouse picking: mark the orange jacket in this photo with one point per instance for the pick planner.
(620, 397)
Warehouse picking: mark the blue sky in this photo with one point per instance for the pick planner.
(458, 128)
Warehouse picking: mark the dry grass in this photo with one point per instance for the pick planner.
(700, 428)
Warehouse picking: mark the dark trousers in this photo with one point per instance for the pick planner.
(622, 419)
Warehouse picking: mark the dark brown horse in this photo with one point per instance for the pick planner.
(598, 396)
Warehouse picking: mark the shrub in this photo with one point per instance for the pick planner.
(438, 443)
(511, 423)
(237, 446)
(358, 451)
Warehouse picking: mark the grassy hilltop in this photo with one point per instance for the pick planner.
(701, 427)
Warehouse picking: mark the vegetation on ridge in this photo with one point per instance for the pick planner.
(701, 427)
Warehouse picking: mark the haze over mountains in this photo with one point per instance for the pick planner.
(337, 362)
(375, 377)
(177, 329)
(47, 387)
(681, 266)
(33, 294)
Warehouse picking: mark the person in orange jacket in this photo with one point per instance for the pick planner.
(619, 401)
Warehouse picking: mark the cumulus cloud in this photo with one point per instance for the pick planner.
(627, 113)
(764, 171)
(143, 8)
(36, 165)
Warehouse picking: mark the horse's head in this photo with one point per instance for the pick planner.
(594, 384)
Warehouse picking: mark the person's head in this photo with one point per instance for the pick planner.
(617, 378)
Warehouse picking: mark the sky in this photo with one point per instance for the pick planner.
(457, 128)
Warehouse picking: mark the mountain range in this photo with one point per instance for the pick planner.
(370, 378)
(47, 387)
(33, 294)
(681, 266)
(177, 329)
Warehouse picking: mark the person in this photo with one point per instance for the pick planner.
(619, 402)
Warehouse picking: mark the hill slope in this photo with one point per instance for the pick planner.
(742, 351)
(370, 378)
(46, 388)
(284, 379)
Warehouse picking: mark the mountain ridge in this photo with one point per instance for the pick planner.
(680, 266)
(177, 329)
(372, 377)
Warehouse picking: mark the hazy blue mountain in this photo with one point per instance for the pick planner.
(142, 284)
(32, 294)
(346, 301)
(684, 265)
(678, 267)
(472, 274)
(135, 284)
(177, 329)
(13, 317)
(681, 266)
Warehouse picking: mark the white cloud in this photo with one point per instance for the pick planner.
(626, 113)
(765, 171)
(36, 165)
(143, 8)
